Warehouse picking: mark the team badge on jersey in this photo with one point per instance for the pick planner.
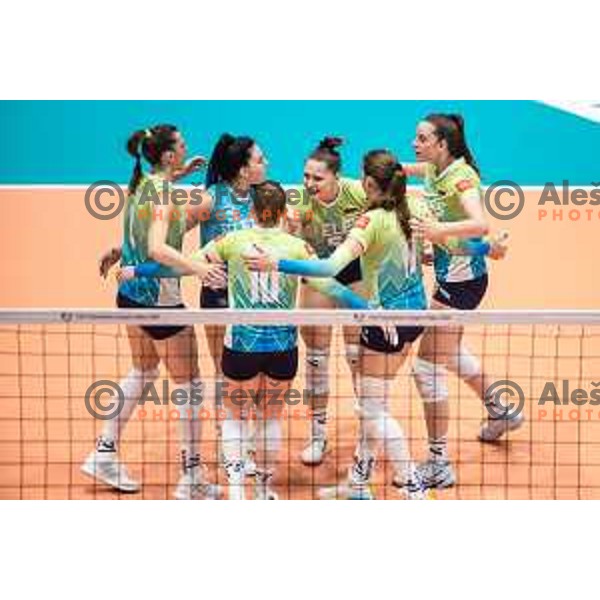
(464, 184)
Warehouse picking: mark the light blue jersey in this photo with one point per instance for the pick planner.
(443, 194)
(229, 213)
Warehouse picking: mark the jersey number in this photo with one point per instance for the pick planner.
(264, 287)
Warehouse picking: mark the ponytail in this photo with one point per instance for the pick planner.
(397, 191)
(451, 127)
(133, 148)
(388, 174)
(151, 144)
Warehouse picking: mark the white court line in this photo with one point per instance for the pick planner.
(190, 316)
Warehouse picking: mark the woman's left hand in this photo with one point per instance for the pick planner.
(124, 274)
(257, 259)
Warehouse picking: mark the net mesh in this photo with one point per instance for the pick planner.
(50, 359)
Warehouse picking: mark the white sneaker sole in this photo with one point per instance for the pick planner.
(509, 425)
(346, 492)
(89, 468)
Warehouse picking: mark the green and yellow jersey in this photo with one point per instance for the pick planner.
(271, 290)
(325, 226)
(139, 214)
(391, 266)
(444, 193)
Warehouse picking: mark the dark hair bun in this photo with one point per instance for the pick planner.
(330, 143)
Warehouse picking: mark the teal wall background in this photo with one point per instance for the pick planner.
(83, 141)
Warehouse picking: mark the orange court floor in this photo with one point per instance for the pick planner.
(50, 246)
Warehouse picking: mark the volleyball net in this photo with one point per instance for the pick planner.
(60, 372)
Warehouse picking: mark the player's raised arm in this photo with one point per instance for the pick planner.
(309, 267)
(474, 225)
(415, 169)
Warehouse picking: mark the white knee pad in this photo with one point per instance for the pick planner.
(372, 398)
(465, 365)
(317, 371)
(135, 382)
(431, 380)
(380, 427)
(144, 378)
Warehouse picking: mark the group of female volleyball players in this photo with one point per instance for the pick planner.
(330, 242)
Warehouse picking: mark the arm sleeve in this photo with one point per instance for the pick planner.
(469, 247)
(328, 267)
(155, 269)
(342, 294)
(330, 287)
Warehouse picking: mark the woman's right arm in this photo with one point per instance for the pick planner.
(311, 267)
(160, 251)
(415, 169)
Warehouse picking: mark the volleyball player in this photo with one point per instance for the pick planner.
(146, 238)
(392, 276)
(453, 194)
(321, 212)
(236, 163)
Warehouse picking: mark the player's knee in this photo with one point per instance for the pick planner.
(372, 399)
(317, 371)
(431, 380)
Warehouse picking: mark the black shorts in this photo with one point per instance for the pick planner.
(462, 295)
(156, 332)
(374, 339)
(241, 366)
(351, 273)
(210, 298)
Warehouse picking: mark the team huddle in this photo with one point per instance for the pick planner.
(330, 242)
